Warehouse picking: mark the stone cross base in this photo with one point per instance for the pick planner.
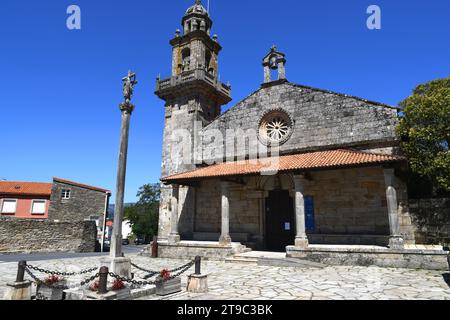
(111, 295)
(18, 291)
(197, 283)
(119, 266)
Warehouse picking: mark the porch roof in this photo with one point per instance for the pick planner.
(330, 159)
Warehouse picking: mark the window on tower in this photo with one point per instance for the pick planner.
(186, 57)
(208, 65)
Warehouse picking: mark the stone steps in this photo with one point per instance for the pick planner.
(289, 262)
(246, 260)
(272, 259)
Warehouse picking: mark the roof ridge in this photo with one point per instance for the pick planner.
(344, 95)
(82, 185)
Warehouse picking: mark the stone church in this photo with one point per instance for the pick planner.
(339, 177)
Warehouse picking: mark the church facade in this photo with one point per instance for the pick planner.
(287, 168)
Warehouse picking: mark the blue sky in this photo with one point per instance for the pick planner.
(60, 89)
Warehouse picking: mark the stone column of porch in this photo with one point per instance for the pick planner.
(174, 237)
(395, 240)
(225, 238)
(301, 240)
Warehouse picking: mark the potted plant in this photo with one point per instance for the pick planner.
(122, 291)
(166, 285)
(94, 286)
(52, 288)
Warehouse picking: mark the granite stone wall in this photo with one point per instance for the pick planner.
(431, 219)
(24, 235)
(84, 204)
(321, 119)
(349, 206)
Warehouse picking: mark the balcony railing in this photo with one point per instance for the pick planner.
(197, 74)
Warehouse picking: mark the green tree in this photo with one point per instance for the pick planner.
(425, 131)
(144, 215)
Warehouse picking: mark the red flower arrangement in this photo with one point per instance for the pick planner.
(165, 274)
(51, 280)
(118, 285)
(94, 286)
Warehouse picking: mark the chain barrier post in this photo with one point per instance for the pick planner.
(155, 247)
(102, 292)
(21, 288)
(197, 282)
(21, 271)
(198, 263)
(103, 280)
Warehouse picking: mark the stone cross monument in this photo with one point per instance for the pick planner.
(119, 264)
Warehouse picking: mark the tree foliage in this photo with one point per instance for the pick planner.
(425, 131)
(144, 215)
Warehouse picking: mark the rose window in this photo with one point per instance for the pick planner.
(275, 127)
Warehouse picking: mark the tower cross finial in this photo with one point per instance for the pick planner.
(198, 2)
(274, 48)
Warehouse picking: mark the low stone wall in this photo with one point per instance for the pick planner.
(431, 218)
(204, 249)
(381, 257)
(23, 235)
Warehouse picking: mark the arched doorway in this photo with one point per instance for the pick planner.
(279, 213)
(280, 220)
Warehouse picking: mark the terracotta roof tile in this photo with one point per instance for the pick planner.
(304, 161)
(25, 188)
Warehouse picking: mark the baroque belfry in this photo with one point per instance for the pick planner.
(193, 98)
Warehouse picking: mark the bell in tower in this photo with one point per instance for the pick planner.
(273, 61)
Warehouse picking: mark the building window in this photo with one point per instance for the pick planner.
(9, 206)
(38, 207)
(65, 194)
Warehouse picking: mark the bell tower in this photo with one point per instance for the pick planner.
(193, 98)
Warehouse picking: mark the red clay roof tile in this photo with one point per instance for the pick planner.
(305, 161)
(25, 188)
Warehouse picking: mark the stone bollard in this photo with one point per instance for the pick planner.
(21, 288)
(154, 247)
(102, 293)
(197, 282)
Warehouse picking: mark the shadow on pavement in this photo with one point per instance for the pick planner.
(446, 277)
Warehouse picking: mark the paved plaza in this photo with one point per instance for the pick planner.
(235, 281)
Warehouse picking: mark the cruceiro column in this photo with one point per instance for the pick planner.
(174, 237)
(301, 240)
(395, 240)
(119, 264)
(225, 238)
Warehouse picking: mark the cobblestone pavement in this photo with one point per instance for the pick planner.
(232, 281)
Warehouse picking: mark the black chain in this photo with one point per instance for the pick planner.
(152, 273)
(40, 296)
(60, 287)
(57, 273)
(178, 271)
(181, 270)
